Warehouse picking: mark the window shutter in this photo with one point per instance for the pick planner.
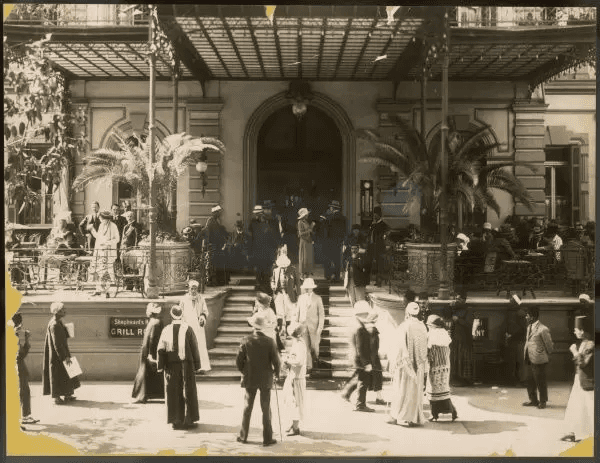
(574, 159)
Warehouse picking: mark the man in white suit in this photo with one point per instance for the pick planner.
(311, 313)
(538, 347)
(195, 314)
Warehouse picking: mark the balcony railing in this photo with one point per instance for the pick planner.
(505, 17)
(82, 15)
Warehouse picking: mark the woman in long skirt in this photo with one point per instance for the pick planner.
(438, 379)
(149, 384)
(306, 236)
(579, 417)
(294, 388)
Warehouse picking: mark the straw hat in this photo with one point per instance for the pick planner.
(463, 237)
(309, 283)
(105, 215)
(435, 321)
(303, 212)
(487, 226)
(176, 312)
(283, 261)
(258, 209)
(217, 208)
(153, 308)
(258, 321)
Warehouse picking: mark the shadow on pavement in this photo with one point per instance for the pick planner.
(208, 405)
(352, 437)
(490, 426)
(93, 404)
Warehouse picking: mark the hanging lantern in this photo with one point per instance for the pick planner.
(202, 167)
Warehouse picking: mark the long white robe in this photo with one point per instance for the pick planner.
(193, 309)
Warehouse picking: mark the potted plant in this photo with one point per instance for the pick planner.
(470, 183)
(131, 165)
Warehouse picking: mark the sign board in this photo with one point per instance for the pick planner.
(127, 327)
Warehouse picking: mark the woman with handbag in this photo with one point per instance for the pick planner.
(579, 416)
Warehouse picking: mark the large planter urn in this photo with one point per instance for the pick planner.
(172, 264)
(425, 266)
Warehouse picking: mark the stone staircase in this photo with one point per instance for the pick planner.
(233, 327)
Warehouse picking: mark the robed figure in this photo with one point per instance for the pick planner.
(178, 358)
(195, 314)
(55, 379)
(149, 383)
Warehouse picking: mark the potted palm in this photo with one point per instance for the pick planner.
(130, 164)
(471, 182)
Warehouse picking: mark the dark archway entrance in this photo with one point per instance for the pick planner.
(300, 157)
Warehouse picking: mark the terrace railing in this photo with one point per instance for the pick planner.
(505, 17)
(83, 15)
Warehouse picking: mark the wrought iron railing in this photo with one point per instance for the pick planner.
(524, 16)
(81, 15)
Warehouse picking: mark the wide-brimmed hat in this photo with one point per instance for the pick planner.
(283, 261)
(435, 321)
(263, 299)
(55, 307)
(193, 283)
(309, 283)
(335, 204)
(153, 308)
(176, 312)
(463, 237)
(258, 209)
(362, 310)
(258, 321)
(487, 226)
(217, 208)
(106, 215)
(303, 212)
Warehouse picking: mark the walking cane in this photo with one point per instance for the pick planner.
(278, 411)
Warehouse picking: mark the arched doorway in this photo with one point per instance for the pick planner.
(299, 157)
(321, 108)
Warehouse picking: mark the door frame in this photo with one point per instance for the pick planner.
(347, 133)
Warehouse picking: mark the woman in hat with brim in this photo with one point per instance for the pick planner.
(579, 416)
(294, 388)
(148, 383)
(306, 236)
(438, 379)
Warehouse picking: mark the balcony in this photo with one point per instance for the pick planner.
(521, 17)
(81, 15)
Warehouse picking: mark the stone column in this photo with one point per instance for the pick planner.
(81, 131)
(529, 148)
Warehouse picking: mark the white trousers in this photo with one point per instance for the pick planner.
(284, 307)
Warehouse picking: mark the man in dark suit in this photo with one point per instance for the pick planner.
(258, 360)
(334, 231)
(356, 275)
(377, 244)
(362, 358)
(538, 347)
(131, 231)
(90, 220)
(118, 219)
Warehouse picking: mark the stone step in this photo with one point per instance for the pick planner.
(241, 330)
(336, 332)
(228, 341)
(345, 312)
(219, 375)
(235, 318)
(224, 351)
(237, 310)
(239, 299)
(224, 363)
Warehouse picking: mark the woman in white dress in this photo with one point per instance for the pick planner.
(579, 416)
(294, 388)
(195, 314)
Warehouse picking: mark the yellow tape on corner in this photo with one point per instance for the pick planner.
(7, 9)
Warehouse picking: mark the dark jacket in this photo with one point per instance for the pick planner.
(258, 360)
(290, 283)
(377, 373)
(87, 220)
(120, 222)
(361, 343)
(131, 234)
(584, 363)
(359, 270)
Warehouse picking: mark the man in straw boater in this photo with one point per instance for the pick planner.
(195, 314)
(285, 284)
(22, 372)
(258, 361)
(178, 358)
(334, 231)
(362, 357)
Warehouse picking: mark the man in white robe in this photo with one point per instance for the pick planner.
(408, 370)
(105, 251)
(195, 314)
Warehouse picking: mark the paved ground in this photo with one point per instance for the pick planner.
(103, 421)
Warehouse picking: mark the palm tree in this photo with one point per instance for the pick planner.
(470, 181)
(131, 165)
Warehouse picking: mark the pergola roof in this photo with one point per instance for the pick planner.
(229, 42)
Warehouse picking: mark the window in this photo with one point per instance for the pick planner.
(562, 184)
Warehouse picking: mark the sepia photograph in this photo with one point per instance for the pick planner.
(300, 230)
